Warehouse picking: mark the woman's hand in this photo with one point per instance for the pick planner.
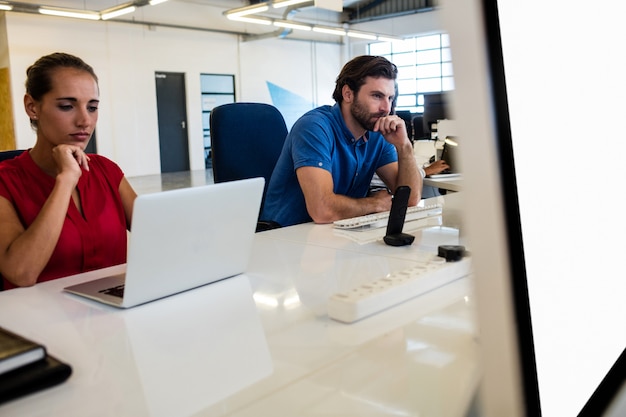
(70, 160)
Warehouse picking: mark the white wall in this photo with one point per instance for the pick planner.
(307, 69)
(126, 57)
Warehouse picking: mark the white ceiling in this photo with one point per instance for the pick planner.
(200, 14)
(208, 15)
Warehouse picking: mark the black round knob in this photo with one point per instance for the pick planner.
(451, 253)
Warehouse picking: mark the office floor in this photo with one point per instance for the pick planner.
(170, 180)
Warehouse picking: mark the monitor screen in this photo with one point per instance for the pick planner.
(407, 116)
(543, 201)
(435, 108)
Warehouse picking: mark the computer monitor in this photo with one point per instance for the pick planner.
(435, 108)
(545, 228)
(407, 116)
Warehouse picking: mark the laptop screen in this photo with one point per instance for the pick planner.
(448, 154)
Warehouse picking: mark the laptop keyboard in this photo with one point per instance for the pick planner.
(117, 291)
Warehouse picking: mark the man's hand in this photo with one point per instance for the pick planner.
(382, 200)
(436, 167)
(393, 128)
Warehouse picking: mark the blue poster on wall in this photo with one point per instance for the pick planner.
(291, 105)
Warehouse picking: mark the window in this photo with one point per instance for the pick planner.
(424, 66)
(216, 90)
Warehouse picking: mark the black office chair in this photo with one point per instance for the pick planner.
(246, 140)
(4, 155)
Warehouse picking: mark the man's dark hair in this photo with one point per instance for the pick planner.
(353, 74)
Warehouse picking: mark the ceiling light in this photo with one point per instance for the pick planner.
(362, 35)
(242, 14)
(106, 15)
(69, 13)
(286, 3)
(6, 7)
(331, 31)
(386, 38)
(291, 25)
(257, 20)
(155, 2)
(243, 11)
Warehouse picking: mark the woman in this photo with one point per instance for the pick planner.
(62, 211)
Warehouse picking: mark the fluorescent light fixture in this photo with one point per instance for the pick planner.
(291, 25)
(257, 20)
(69, 13)
(5, 6)
(155, 2)
(243, 11)
(118, 12)
(242, 14)
(331, 31)
(362, 35)
(286, 3)
(385, 38)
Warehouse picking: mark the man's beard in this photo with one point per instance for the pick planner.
(366, 119)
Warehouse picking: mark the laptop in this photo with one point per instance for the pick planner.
(182, 239)
(449, 154)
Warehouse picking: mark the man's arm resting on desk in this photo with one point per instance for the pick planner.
(403, 172)
(324, 206)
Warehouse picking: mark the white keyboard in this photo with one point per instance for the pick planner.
(377, 220)
(395, 288)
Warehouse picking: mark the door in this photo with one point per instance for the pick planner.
(172, 113)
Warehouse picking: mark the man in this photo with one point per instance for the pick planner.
(332, 152)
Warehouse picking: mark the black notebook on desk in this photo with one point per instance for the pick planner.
(17, 351)
(26, 367)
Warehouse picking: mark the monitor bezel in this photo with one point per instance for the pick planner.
(509, 385)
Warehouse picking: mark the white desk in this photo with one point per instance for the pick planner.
(451, 184)
(259, 344)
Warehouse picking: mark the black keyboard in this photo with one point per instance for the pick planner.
(117, 291)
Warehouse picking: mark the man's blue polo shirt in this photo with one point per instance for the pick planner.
(320, 138)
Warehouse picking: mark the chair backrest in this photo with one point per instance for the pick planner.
(246, 140)
(4, 155)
